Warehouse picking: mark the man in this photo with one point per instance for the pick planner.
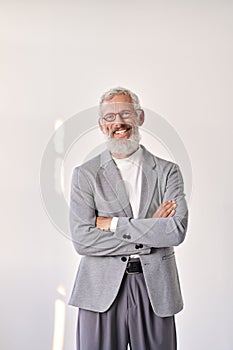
(128, 211)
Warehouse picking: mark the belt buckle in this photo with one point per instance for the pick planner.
(131, 273)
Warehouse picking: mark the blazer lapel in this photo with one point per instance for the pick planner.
(115, 181)
(149, 182)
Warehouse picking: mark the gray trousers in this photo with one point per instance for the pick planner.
(129, 320)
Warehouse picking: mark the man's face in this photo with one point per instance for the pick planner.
(122, 109)
(119, 122)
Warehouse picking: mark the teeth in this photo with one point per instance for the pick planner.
(120, 132)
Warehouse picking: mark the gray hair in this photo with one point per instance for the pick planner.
(120, 91)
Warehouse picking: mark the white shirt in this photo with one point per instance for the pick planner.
(131, 173)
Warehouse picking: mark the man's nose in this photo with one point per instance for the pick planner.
(119, 119)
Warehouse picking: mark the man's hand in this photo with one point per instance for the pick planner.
(165, 210)
(103, 223)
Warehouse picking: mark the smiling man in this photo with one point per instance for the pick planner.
(127, 212)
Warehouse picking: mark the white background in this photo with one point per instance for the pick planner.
(57, 57)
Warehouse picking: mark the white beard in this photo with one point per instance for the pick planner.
(124, 147)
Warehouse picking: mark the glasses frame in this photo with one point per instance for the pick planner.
(131, 113)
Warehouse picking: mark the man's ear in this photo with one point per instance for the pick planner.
(100, 125)
(141, 116)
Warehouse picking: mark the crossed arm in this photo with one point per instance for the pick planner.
(165, 210)
(167, 226)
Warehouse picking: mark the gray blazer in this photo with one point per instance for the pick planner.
(97, 189)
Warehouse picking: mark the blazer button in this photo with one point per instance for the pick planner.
(138, 246)
(126, 236)
(124, 259)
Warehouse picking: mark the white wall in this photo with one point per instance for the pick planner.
(57, 57)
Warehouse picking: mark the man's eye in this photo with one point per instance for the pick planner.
(125, 114)
(109, 117)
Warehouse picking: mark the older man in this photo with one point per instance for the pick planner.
(128, 211)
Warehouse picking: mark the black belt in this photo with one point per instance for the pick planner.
(133, 266)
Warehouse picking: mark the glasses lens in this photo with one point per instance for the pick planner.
(109, 117)
(125, 114)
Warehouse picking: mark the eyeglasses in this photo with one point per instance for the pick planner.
(110, 117)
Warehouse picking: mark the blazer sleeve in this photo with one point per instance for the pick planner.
(86, 237)
(159, 232)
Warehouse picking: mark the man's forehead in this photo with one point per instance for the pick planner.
(109, 106)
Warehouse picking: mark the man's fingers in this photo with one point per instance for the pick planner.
(171, 213)
(165, 209)
(173, 206)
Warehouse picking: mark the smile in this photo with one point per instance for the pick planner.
(121, 132)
